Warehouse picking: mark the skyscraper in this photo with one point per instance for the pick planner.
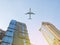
(51, 33)
(16, 34)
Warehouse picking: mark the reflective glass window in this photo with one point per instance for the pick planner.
(13, 22)
(5, 44)
(9, 33)
(12, 30)
(12, 26)
(7, 39)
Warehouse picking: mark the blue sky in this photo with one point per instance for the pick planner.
(45, 10)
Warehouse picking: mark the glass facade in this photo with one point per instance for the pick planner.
(8, 38)
(16, 34)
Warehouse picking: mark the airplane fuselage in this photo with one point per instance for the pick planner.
(30, 13)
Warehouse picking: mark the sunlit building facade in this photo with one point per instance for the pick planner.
(51, 33)
(16, 34)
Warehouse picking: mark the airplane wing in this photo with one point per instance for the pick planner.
(27, 13)
(30, 13)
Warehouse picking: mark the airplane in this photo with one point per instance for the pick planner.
(30, 13)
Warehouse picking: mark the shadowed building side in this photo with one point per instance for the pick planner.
(51, 33)
(2, 33)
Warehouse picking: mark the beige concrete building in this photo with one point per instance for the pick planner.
(21, 35)
(51, 33)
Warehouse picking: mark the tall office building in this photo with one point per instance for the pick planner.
(51, 33)
(16, 34)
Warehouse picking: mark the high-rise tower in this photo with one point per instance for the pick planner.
(16, 34)
(51, 33)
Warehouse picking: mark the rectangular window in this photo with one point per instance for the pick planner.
(9, 33)
(7, 39)
(12, 26)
